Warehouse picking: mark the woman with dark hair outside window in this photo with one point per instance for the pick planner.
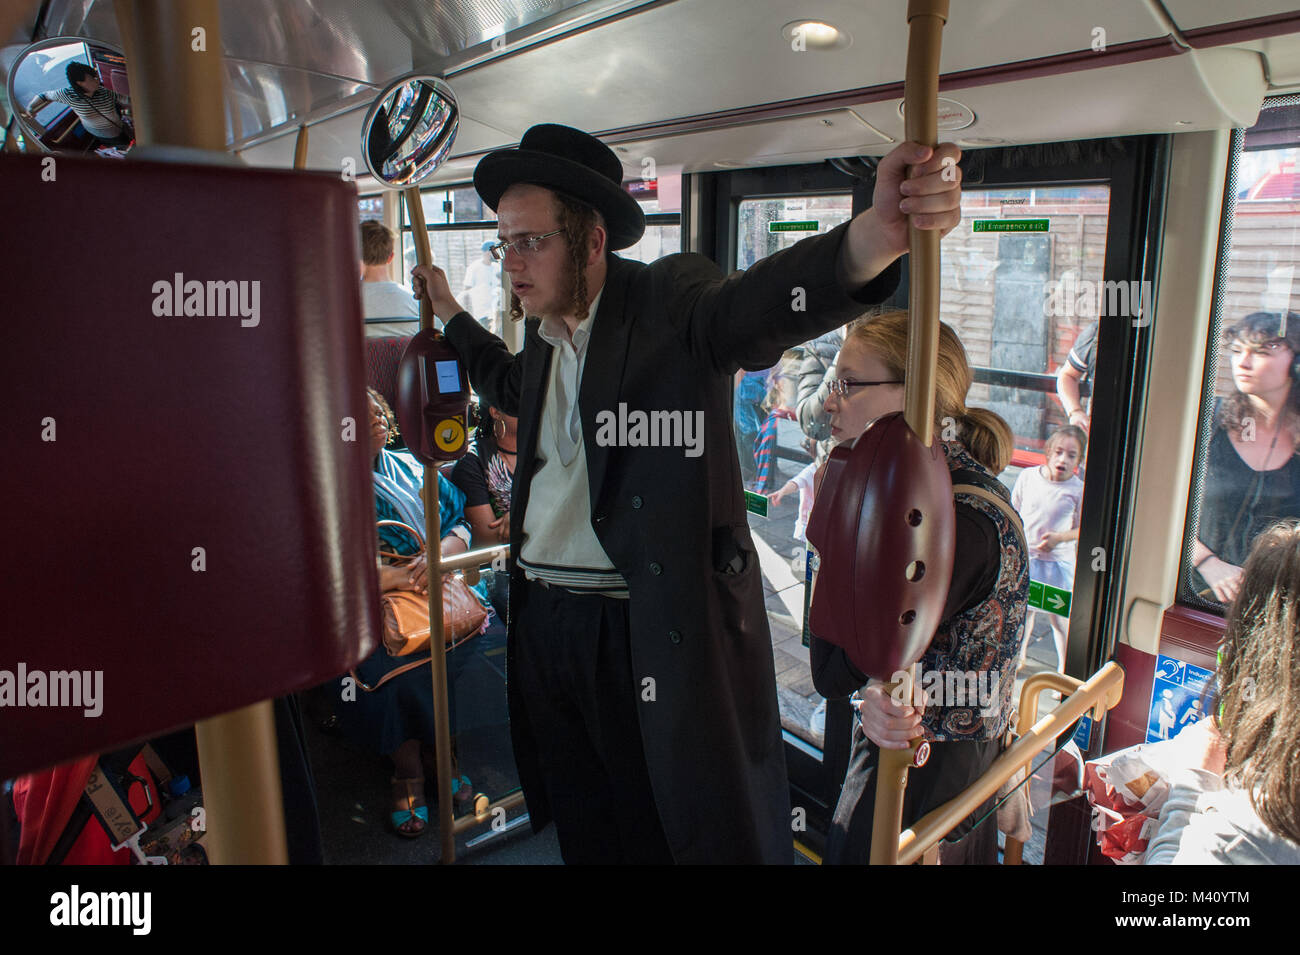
(98, 107)
(1252, 472)
(1237, 803)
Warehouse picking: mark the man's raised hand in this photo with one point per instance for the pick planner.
(911, 181)
(429, 281)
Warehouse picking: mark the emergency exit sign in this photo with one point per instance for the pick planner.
(1052, 599)
(1010, 225)
(794, 225)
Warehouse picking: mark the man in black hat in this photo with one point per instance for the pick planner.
(642, 689)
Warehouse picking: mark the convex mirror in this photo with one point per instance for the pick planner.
(71, 96)
(409, 130)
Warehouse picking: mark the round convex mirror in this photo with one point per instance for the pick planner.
(409, 130)
(71, 96)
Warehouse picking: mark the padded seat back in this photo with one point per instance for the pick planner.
(188, 498)
(382, 356)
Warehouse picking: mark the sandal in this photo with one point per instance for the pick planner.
(462, 795)
(408, 795)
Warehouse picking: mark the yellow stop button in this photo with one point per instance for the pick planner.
(449, 435)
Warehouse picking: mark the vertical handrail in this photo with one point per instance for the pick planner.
(433, 549)
(176, 96)
(925, 20)
(300, 148)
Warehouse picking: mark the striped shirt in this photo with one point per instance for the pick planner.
(100, 112)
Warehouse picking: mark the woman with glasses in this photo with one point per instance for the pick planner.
(983, 622)
(1252, 473)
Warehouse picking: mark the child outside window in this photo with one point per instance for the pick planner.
(1049, 499)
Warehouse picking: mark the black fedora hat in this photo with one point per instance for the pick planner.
(571, 162)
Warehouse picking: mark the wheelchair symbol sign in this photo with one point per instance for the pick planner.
(1176, 693)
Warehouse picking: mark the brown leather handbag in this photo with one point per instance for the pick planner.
(406, 616)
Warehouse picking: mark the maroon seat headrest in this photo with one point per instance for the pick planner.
(382, 356)
(883, 529)
(188, 500)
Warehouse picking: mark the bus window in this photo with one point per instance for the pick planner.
(774, 451)
(660, 199)
(1022, 286)
(1247, 471)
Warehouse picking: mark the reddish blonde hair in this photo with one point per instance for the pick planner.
(985, 435)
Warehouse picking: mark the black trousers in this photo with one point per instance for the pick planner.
(950, 769)
(575, 678)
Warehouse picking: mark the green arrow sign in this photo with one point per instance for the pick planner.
(804, 225)
(1010, 225)
(1051, 599)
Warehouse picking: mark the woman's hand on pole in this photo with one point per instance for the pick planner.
(888, 724)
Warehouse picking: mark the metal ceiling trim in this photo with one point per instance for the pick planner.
(530, 37)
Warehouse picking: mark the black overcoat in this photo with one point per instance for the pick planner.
(669, 336)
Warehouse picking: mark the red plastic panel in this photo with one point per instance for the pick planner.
(883, 529)
(131, 438)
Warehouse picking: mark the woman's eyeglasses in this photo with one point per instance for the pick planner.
(520, 246)
(841, 386)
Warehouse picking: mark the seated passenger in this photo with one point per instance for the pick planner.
(381, 297)
(1237, 802)
(983, 622)
(485, 475)
(1252, 471)
(397, 719)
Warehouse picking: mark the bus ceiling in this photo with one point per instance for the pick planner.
(719, 83)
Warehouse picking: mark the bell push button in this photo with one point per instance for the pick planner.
(449, 435)
(433, 407)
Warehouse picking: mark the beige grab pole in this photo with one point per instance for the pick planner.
(300, 148)
(433, 540)
(925, 20)
(173, 60)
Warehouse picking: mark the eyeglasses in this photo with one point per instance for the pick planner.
(521, 246)
(841, 386)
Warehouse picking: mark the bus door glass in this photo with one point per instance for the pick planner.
(1023, 287)
(777, 454)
